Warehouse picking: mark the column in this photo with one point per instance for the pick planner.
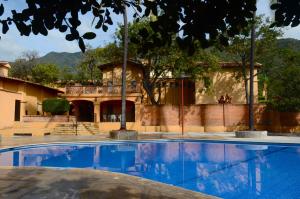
(97, 111)
(138, 114)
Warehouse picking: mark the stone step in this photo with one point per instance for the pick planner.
(70, 129)
(78, 129)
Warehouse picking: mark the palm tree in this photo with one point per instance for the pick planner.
(251, 94)
(123, 115)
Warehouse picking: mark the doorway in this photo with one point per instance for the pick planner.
(17, 110)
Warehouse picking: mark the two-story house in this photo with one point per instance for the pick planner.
(102, 104)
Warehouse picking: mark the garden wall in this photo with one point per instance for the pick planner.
(55, 118)
(216, 118)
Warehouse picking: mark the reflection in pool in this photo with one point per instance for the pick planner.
(222, 169)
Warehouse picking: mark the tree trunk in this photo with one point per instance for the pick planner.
(150, 92)
(251, 97)
(123, 116)
(245, 78)
(149, 88)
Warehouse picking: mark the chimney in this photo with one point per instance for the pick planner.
(4, 67)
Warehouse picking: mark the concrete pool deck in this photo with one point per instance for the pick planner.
(36, 183)
(79, 183)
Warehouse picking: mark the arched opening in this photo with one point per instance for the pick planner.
(83, 110)
(111, 111)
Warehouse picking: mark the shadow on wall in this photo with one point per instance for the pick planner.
(223, 83)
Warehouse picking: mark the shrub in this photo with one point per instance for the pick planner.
(56, 106)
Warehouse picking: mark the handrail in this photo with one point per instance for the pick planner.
(113, 89)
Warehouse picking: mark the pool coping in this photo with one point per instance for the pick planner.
(228, 141)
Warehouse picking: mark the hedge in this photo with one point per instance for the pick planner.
(56, 106)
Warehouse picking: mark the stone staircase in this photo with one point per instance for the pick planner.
(69, 128)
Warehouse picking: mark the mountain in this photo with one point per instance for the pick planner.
(72, 59)
(62, 59)
(293, 44)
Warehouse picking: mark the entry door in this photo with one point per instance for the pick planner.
(17, 110)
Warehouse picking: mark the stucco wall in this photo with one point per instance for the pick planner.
(30, 95)
(114, 74)
(7, 107)
(228, 81)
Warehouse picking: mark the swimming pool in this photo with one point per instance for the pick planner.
(224, 169)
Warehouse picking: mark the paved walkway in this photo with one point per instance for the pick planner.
(39, 183)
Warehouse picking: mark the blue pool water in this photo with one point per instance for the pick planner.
(228, 170)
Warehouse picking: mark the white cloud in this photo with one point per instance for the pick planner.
(9, 49)
(292, 32)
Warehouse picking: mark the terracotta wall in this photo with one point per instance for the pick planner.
(216, 118)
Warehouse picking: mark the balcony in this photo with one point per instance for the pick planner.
(101, 90)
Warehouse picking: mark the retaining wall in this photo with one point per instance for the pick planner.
(216, 118)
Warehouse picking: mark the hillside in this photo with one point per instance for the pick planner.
(293, 44)
(72, 59)
(62, 59)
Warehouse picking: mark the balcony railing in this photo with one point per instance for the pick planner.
(102, 90)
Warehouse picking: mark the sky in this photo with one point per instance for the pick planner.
(12, 45)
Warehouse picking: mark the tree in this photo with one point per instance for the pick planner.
(161, 61)
(22, 67)
(286, 13)
(266, 47)
(88, 71)
(284, 89)
(45, 74)
(218, 19)
(66, 75)
(125, 57)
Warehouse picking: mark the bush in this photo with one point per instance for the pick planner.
(56, 106)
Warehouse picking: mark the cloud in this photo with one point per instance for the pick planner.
(9, 49)
(292, 32)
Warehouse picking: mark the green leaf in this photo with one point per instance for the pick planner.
(63, 28)
(70, 37)
(1, 9)
(144, 32)
(89, 35)
(99, 23)
(4, 27)
(104, 27)
(81, 44)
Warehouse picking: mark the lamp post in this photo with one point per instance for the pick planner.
(182, 77)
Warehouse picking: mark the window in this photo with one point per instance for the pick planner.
(110, 86)
(133, 85)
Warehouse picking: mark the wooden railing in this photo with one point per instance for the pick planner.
(115, 89)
